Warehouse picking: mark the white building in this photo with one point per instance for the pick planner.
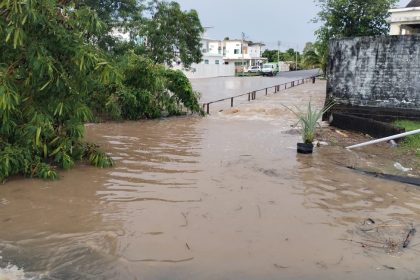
(405, 21)
(212, 51)
(212, 64)
(244, 53)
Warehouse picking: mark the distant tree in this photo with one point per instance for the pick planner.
(308, 47)
(350, 18)
(311, 58)
(273, 55)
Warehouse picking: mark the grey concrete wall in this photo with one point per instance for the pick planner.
(375, 71)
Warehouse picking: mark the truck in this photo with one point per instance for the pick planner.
(270, 69)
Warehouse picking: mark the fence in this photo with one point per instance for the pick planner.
(253, 94)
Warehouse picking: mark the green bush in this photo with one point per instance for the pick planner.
(147, 90)
(47, 71)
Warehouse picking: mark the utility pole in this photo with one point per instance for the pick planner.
(296, 51)
(242, 51)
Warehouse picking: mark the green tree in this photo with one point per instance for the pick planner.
(54, 72)
(273, 55)
(172, 34)
(311, 58)
(350, 18)
(308, 47)
(116, 15)
(46, 71)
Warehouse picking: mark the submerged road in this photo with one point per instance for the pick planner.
(223, 197)
(216, 88)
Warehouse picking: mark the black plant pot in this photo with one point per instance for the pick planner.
(303, 148)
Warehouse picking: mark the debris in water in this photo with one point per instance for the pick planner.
(280, 266)
(369, 221)
(341, 133)
(410, 236)
(393, 144)
(398, 166)
(392, 236)
(320, 143)
(185, 218)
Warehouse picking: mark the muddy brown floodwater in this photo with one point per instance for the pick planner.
(221, 197)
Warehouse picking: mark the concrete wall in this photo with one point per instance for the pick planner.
(199, 71)
(377, 72)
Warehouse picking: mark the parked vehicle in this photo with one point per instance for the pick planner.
(270, 69)
(254, 69)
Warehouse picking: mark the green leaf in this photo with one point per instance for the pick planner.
(38, 135)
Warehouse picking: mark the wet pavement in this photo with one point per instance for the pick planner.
(221, 197)
(217, 88)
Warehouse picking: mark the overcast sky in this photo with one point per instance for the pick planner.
(269, 21)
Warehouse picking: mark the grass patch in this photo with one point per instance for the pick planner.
(246, 74)
(411, 142)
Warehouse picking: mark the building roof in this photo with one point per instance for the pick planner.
(413, 4)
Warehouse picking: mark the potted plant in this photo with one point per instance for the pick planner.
(309, 120)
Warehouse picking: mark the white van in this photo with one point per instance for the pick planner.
(270, 69)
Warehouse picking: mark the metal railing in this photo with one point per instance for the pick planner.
(252, 95)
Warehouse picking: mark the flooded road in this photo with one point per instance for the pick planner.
(217, 88)
(221, 197)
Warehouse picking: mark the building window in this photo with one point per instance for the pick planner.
(206, 61)
(217, 62)
(226, 63)
(239, 63)
(236, 51)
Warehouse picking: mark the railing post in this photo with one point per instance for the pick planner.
(208, 108)
(266, 91)
(249, 96)
(231, 102)
(254, 95)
